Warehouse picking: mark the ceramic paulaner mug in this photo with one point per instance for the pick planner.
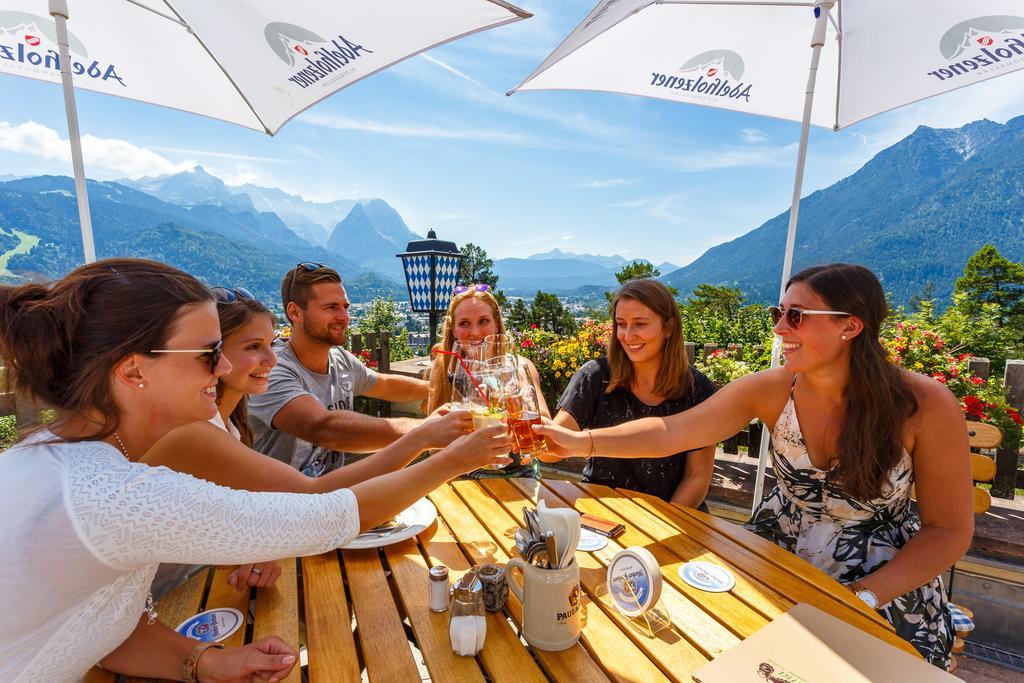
(552, 600)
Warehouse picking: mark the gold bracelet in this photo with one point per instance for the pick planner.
(593, 446)
(191, 663)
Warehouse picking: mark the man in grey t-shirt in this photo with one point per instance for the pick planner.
(305, 418)
(345, 379)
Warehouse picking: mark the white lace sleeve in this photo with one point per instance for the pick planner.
(131, 515)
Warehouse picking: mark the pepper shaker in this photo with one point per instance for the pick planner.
(492, 576)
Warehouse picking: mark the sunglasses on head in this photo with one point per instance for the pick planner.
(476, 288)
(309, 266)
(229, 295)
(214, 352)
(795, 316)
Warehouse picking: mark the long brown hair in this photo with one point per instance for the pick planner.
(233, 315)
(440, 385)
(674, 377)
(879, 398)
(62, 339)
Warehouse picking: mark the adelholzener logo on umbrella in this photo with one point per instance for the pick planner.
(30, 41)
(322, 59)
(995, 42)
(708, 74)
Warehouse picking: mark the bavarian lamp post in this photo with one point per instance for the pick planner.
(431, 272)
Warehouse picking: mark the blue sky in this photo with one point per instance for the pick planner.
(436, 137)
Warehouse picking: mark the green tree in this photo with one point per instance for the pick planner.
(989, 278)
(518, 316)
(548, 313)
(725, 300)
(382, 316)
(637, 270)
(476, 267)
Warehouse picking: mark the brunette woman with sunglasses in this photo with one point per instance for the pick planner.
(85, 525)
(853, 434)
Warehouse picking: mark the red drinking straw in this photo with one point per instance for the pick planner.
(471, 377)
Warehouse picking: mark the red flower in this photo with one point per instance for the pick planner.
(939, 377)
(974, 407)
(1015, 415)
(533, 326)
(977, 380)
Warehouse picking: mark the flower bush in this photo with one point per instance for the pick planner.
(557, 358)
(722, 367)
(922, 350)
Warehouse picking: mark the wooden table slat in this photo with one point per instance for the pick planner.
(330, 644)
(745, 609)
(409, 571)
(223, 595)
(571, 664)
(503, 656)
(277, 612)
(672, 654)
(382, 638)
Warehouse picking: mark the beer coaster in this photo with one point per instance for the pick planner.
(634, 580)
(707, 577)
(212, 626)
(591, 541)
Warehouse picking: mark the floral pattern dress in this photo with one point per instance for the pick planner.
(810, 515)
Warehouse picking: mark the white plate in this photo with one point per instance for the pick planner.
(417, 516)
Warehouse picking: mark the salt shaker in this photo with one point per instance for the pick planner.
(467, 626)
(438, 598)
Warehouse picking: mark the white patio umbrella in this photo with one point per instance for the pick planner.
(748, 56)
(255, 63)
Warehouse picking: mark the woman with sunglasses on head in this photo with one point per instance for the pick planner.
(473, 315)
(126, 351)
(645, 374)
(853, 434)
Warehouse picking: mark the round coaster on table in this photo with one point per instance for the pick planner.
(213, 625)
(707, 577)
(591, 541)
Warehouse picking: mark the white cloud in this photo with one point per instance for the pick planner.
(753, 136)
(410, 130)
(222, 155)
(451, 69)
(600, 184)
(734, 157)
(111, 154)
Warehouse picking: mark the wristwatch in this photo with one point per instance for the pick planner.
(868, 597)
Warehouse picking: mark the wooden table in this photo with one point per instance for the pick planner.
(363, 608)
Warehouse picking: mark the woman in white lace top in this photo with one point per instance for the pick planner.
(125, 351)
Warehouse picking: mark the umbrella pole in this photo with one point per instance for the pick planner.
(821, 8)
(59, 12)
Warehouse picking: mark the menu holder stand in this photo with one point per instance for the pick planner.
(649, 622)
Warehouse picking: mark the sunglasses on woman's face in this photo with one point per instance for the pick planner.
(795, 316)
(476, 288)
(214, 353)
(229, 295)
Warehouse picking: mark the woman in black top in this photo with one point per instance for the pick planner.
(645, 374)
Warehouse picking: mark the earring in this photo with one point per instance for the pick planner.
(142, 386)
(843, 337)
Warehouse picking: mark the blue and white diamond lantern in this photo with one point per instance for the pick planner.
(431, 272)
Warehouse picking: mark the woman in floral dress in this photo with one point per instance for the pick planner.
(852, 434)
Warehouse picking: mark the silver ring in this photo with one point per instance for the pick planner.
(256, 570)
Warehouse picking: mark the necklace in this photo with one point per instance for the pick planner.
(121, 446)
(150, 605)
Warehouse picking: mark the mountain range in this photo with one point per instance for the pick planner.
(914, 213)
